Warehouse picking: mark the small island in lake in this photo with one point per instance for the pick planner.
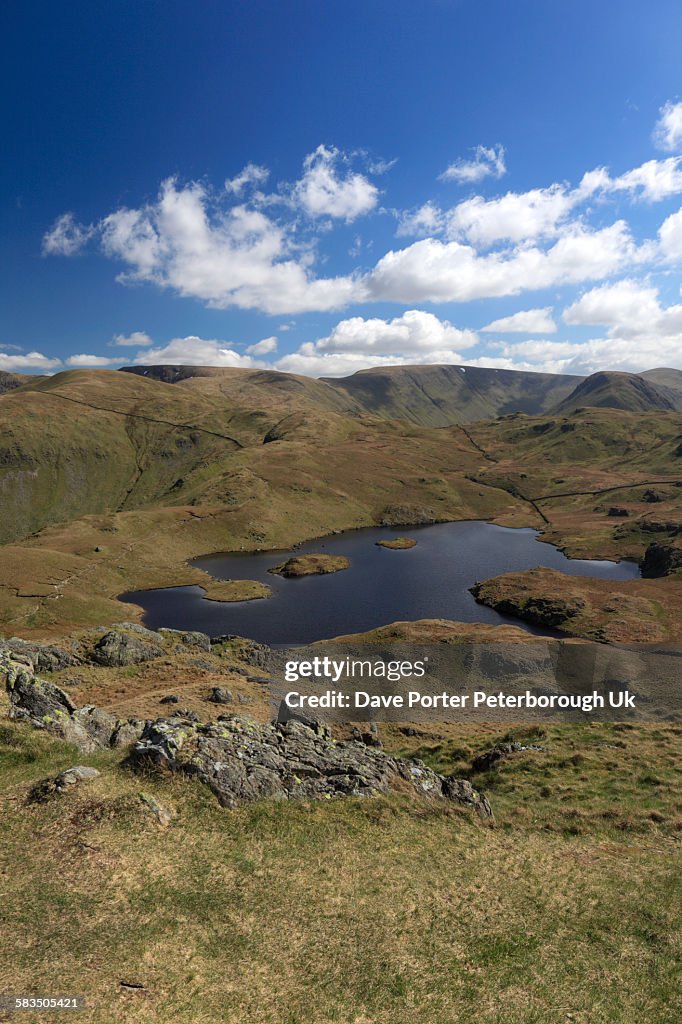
(236, 590)
(310, 565)
(397, 543)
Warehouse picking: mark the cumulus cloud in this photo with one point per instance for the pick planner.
(488, 161)
(66, 237)
(236, 257)
(526, 321)
(652, 181)
(327, 190)
(137, 339)
(435, 271)
(641, 334)
(195, 352)
(668, 130)
(252, 174)
(425, 220)
(629, 309)
(262, 348)
(414, 337)
(83, 360)
(27, 361)
(513, 217)
(670, 235)
(258, 253)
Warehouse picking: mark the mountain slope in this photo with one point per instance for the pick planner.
(10, 381)
(668, 382)
(439, 396)
(609, 389)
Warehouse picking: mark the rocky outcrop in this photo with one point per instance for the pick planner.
(43, 657)
(63, 782)
(242, 761)
(117, 649)
(406, 515)
(538, 609)
(661, 560)
(489, 758)
(46, 706)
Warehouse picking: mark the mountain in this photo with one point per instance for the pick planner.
(10, 381)
(438, 396)
(627, 391)
(668, 382)
(431, 396)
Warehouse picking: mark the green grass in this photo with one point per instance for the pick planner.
(383, 911)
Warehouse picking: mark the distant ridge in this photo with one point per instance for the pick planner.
(440, 395)
(10, 381)
(610, 389)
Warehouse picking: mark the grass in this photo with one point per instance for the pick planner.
(383, 911)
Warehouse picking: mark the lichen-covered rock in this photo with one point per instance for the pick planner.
(163, 814)
(128, 732)
(44, 657)
(116, 649)
(191, 638)
(46, 706)
(63, 782)
(242, 761)
(219, 695)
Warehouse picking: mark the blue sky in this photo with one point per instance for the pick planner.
(322, 187)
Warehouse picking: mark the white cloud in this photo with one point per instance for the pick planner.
(641, 334)
(425, 220)
(629, 309)
(668, 130)
(137, 339)
(82, 360)
(66, 236)
(527, 321)
(195, 352)
(27, 361)
(262, 348)
(670, 235)
(653, 180)
(488, 162)
(324, 191)
(238, 257)
(435, 271)
(260, 255)
(514, 217)
(414, 337)
(252, 174)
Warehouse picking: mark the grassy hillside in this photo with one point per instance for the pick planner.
(620, 391)
(111, 481)
(382, 910)
(438, 396)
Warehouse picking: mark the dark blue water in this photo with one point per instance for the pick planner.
(431, 580)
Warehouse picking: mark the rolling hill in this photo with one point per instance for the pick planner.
(430, 395)
(608, 389)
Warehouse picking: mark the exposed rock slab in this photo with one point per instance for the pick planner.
(117, 649)
(46, 706)
(242, 761)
